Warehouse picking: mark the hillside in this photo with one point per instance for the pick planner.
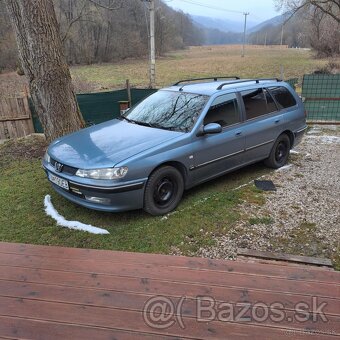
(224, 25)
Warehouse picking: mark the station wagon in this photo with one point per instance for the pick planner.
(177, 138)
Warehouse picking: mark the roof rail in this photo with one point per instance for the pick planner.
(209, 78)
(247, 81)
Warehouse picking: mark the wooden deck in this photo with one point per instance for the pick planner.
(67, 293)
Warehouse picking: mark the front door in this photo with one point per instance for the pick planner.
(215, 154)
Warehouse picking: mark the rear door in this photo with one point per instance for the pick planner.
(218, 153)
(263, 123)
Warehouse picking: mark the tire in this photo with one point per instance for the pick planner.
(279, 154)
(163, 191)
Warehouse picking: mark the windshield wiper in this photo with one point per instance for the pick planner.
(128, 120)
(152, 125)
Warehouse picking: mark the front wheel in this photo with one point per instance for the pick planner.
(280, 152)
(163, 191)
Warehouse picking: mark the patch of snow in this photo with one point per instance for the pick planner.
(52, 212)
(294, 152)
(286, 167)
(314, 131)
(326, 139)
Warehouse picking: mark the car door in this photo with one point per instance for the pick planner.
(215, 154)
(263, 123)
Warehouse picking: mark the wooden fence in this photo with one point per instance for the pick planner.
(15, 118)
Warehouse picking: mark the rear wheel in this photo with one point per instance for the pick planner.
(163, 191)
(280, 152)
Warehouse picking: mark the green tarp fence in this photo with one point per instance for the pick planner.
(321, 93)
(99, 107)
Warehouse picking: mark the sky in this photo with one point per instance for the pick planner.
(259, 10)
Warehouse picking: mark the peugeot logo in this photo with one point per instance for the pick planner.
(58, 167)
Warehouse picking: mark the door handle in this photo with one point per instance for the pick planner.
(277, 121)
(238, 133)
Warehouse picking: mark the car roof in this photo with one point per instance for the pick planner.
(210, 88)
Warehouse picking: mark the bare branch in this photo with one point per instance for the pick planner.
(325, 10)
(72, 22)
(119, 6)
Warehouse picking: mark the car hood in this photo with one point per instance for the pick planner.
(107, 144)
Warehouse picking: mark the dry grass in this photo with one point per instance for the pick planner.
(193, 62)
(203, 61)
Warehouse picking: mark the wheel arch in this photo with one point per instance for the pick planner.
(291, 136)
(175, 164)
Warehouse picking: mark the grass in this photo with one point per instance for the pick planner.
(210, 209)
(267, 220)
(201, 61)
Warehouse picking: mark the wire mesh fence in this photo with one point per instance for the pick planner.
(321, 93)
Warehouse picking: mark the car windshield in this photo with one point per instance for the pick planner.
(168, 110)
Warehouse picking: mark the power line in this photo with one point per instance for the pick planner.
(211, 7)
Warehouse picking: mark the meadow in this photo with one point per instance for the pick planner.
(201, 61)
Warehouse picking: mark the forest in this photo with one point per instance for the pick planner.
(106, 31)
(96, 31)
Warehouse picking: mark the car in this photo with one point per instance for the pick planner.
(175, 139)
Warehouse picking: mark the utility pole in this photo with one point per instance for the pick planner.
(282, 35)
(152, 45)
(152, 52)
(244, 33)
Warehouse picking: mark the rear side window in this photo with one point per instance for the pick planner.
(224, 111)
(258, 102)
(282, 96)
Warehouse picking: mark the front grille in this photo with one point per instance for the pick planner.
(66, 169)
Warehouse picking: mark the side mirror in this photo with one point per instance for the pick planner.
(210, 129)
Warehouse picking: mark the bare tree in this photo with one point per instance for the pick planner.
(323, 20)
(44, 64)
(328, 7)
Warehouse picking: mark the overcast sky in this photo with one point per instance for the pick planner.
(260, 10)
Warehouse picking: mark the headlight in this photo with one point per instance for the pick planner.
(109, 173)
(47, 157)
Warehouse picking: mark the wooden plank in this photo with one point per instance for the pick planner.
(27, 110)
(13, 327)
(5, 110)
(133, 320)
(159, 272)
(307, 274)
(3, 132)
(42, 330)
(156, 287)
(145, 281)
(136, 300)
(285, 257)
(10, 129)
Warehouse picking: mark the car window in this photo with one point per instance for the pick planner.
(282, 96)
(224, 111)
(168, 110)
(257, 102)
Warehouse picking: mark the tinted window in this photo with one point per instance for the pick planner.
(224, 111)
(168, 110)
(257, 102)
(282, 96)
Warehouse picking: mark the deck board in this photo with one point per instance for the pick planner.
(73, 293)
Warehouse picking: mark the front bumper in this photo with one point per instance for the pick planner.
(120, 197)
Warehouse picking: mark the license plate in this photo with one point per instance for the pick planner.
(58, 181)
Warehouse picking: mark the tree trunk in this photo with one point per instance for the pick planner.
(44, 64)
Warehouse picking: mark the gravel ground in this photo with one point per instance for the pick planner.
(303, 216)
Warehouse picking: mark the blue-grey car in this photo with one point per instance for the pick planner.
(176, 138)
